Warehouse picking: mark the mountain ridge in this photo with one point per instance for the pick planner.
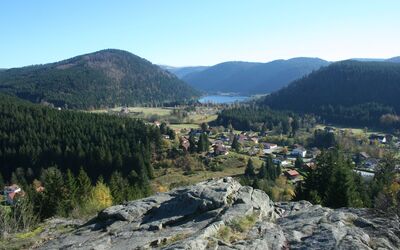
(252, 77)
(103, 78)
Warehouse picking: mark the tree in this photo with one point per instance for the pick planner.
(250, 169)
(118, 187)
(53, 182)
(204, 126)
(298, 163)
(101, 196)
(263, 174)
(69, 196)
(203, 144)
(84, 186)
(192, 143)
(235, 144)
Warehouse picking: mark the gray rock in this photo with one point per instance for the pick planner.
(222, 214)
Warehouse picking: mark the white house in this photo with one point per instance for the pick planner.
(302, 152)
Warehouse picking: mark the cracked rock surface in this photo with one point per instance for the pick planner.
(222, 214)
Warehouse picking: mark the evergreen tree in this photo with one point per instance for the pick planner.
(84, 186)
(235, 144)
(53, 182)
(69, 199)
(250, 169)
(298, 163)
(118, 187)
(192, 142)
(263, 174)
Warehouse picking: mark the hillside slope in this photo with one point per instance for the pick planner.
(222, 214)
(343, 89)
(104, 78)
(251, 78)
(183, 71)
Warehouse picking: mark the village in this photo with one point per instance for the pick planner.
(228, 149)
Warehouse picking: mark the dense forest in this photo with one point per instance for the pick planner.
(259, 119)
(71, 163)
(34, 137)
(102, 79)
(349, 92)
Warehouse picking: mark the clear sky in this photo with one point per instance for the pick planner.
(198, 32)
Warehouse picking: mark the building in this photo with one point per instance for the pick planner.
(378, 138)
(280, 161)
(12, 192)
(299, 151)
(292, 174)
(270, 145)
(185, 144)
(220, 149)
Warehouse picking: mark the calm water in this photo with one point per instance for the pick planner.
(219, 99)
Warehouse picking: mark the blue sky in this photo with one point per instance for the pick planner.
(198, 32)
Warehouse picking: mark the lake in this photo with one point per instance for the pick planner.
(222, 99)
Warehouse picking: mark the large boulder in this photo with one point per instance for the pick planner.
(222, 214)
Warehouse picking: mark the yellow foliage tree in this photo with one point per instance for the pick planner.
(101, 196)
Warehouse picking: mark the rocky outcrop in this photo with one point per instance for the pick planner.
(222, 214)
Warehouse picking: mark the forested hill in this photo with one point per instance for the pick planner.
(34, 137)
(250, 78)
(349, 92)
(104, 78)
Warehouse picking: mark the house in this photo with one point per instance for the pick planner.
(280, 161)
(185, 144)
(157, 123)
(299, 151)
(269, 145)
(329, 129)
(220, 150)
(308, 166)
(371, 163)
(254, 139)
(11, 192)
(124, 110)
(292, 174)
(363, 156)
(378, 138)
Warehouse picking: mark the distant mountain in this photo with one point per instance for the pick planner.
(183, 71)
(251, 78)
(104, 78)
(347, 91)
(394, 59)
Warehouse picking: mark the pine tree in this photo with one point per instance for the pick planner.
(263, 174)
(298, 163)
(250, 169)
(70, 193)
(118, 187)
(192, 142)
(53, 182)
(235, 144)
(84, 186)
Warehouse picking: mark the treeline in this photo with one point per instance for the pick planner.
(333, 183)
(349, 93)
(259, 119)
(33, 137)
